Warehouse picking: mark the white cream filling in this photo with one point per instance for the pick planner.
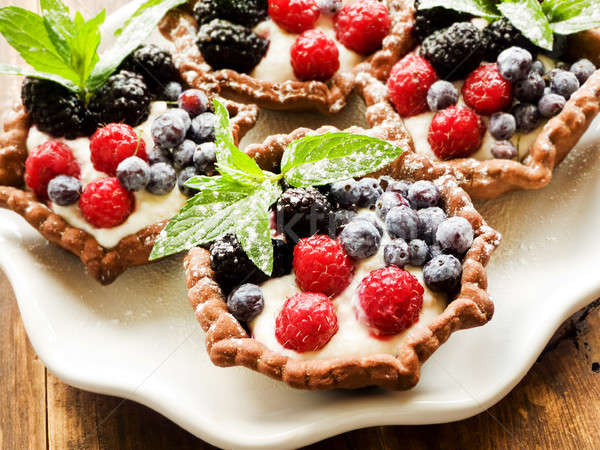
(149, 208)
(353, 339)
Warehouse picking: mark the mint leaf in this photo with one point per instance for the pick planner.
(587, 18)
(218, 183)
(529, 18)
(7, 69)
(324, 159)
(479, 8)
(84, 44)
(560, 10)
(59, 25)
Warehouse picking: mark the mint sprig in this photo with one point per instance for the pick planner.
(528, 17)
(238, 200)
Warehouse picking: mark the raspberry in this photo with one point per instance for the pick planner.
(46, 162)
(409, 83)
(322, 265)
(389, 301)
(314, 56)
(486, 91)
(455, 132)
(306, 323)
(294, 16)
(105, 203)
(362, 26)
(114, 143)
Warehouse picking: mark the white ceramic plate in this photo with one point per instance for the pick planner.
(138, 337)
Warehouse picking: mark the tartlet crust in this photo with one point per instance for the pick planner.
(103, 264)
(180, 28)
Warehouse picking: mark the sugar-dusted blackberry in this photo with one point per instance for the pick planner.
(283, 255)
(500, 35)
(428, 21)
(125, 97)
(455, 51)
(154, 64)
(243, 12)
(231, 264)
(55, 110)
(302, 213)
(225, 45)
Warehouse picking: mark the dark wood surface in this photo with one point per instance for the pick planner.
(556, 406)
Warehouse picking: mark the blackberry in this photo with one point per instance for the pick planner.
(500, 35)
(55, 110)
(231, 264)
(242, 12)
(302, 213)
(125, 97)
(428, 21)
(154, 64)
(283, 255)
(225, 45)
(454, 52)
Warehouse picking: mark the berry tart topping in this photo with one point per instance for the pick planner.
(396, 253)
(244, 12)
(155, 65)
(486, 91)
(47, 161)
(503, 126)
(443, 273)
(360, 239)
(455, 235)
(362, 26)
(133, 173)
(441, 95)
(455, 132)
(64, 190)
(294, 16)
(105, 203)
(504, 150)
(114, 143)
(403, 222)
(428, 21)
(423, 194)
(314, 56)
(162, 179)
(194, 102)
(429, 221)
(329, 7)
(302, 212)
(246, 302)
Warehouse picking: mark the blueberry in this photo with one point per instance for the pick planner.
(423, 194)
(172, 91)
(564, 83)
(387, 201)
(203, 128)
(184, 116)
(344, 194)
(396, 253)
(246, 302)
(443, 274)
(360, 239)
(367, 192)
(385, 181)
(504, 150)
(64, 190)
(372, 221)
(168, 130)
(329, 7)
(183, 154)
(514, 63)
(399, 186)
(340, 219)
(538, 67)
(441, 95)
(133, 173)
(503, 126)
(403, 222)
(194, 101)
(530, 88)
(429, 221)
(551, 104)
(205, 158)
(183, 177)
(157, 155)
(455, 235)
(583, 69)
(418, 252)
(435, 250)
(527, 116)
(162, 179)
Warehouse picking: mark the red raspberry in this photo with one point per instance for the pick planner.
(390, 300)
(105, 203)
(306, 323)
(362, 25)
(486, 91)
(408, 84)
(47, 161)
(114, 143)
(322, 265)
(294, 16)
(455, 132)
(314, 56)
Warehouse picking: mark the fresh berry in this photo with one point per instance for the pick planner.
(344, 193)
(503, 126)
(133, 173)
(172, 91)
(282, 258)
(441, 95)
(443, 274)
(125, 97)
(205, 158)
(531, 88)
(403, 222)
(203, 128)
(225, 45)
(306, 323)
(423, 194)
(538, 67)
(64, 190)
(429, 221)
(114, 143)
(583, 69)
(486, 91)
(183, 178)
(294, 16)
(401, 187)
(231, 264)
(435, 250)
(455, 51)
(193, 101)
(246, 302)
(362, 26)
(564, 83)
(427, 21)
(455, 132)
(360, 239)
(551, 104)
(372, 220)
(409, 84)
(47, 161)
(314, 56)
(367, 192)
(168, 130)
(243, 12)
(162, 179)
(500, 35)
(329, 7)
(322, 265)
(504, 150)
(157, 155)
(183, 115)
(396, 253)
(389, 301)
(105, 203)
(341, 218)
(514, 63)
(418, 252)
(183, 154)
(527, 116)
(302, 213)
(154, 64)
(55, 110)
(455, 235)
(387, 201)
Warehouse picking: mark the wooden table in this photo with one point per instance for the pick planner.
(556, 406)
